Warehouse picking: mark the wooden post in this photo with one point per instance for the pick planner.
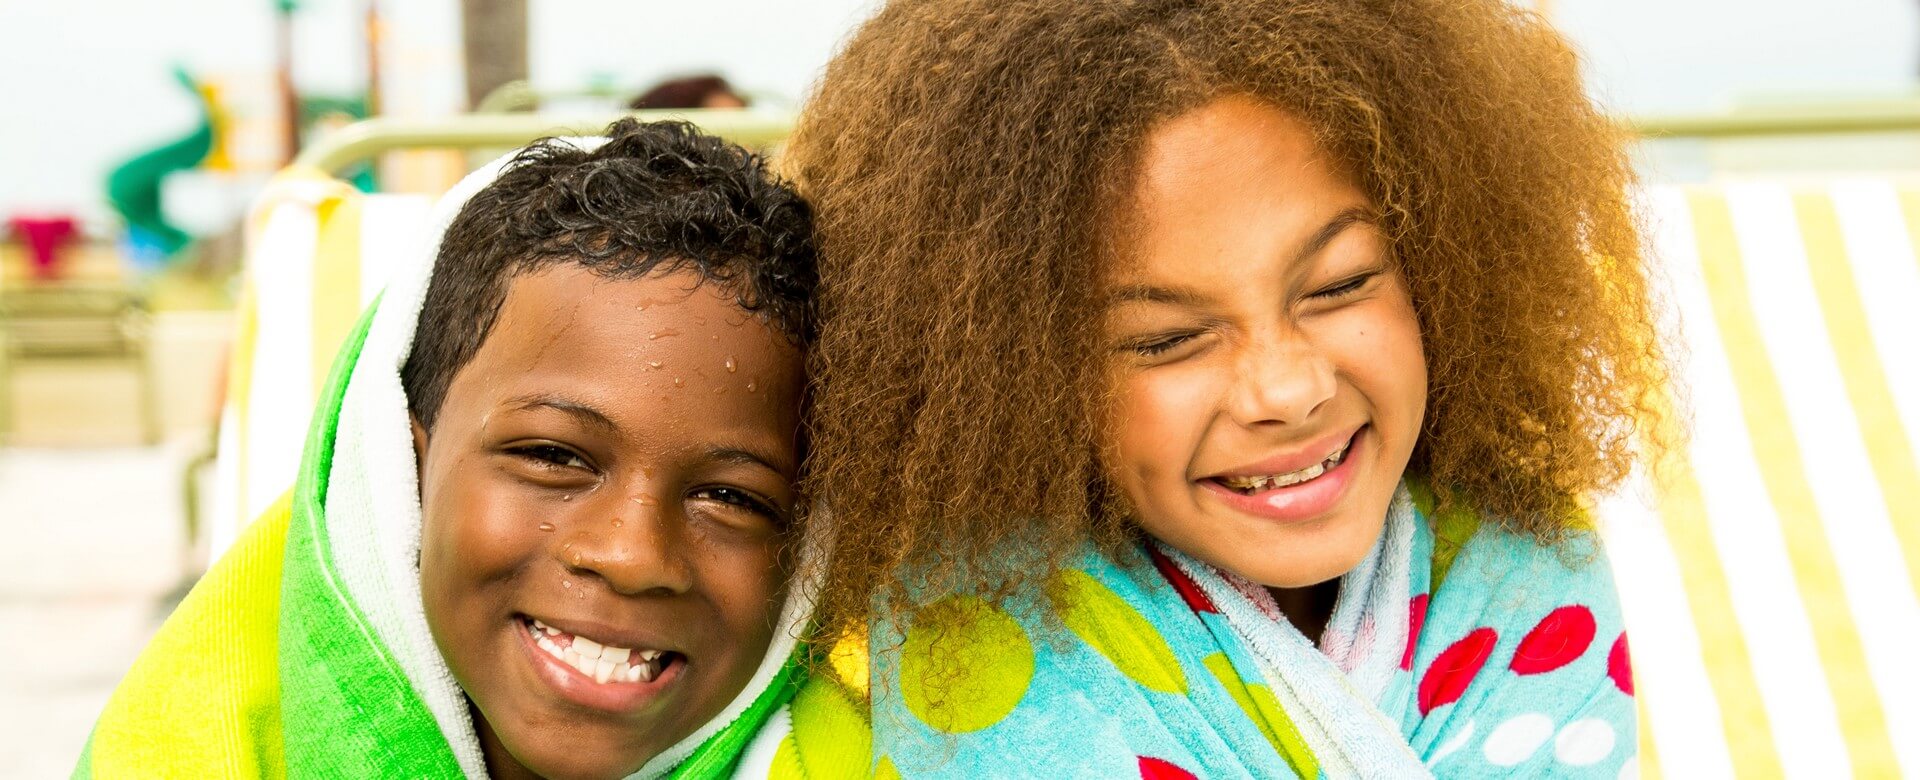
(494, 33)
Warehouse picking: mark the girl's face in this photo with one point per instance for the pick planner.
(1265, 352)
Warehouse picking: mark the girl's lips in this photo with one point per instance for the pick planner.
(1296, 503)
(573, 686)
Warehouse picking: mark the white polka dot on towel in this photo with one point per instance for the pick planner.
(1517, 739)
(1583, 742)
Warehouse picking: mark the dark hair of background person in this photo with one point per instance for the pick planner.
(971, 167)
(702, 91)
(656, 197)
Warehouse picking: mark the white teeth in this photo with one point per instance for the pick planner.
(604, 664)
(1255, 484)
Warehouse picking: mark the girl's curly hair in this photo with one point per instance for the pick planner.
(967, 161)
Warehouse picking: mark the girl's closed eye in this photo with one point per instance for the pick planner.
(1347, 287)
(1154, 346)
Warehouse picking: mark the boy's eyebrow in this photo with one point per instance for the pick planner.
(747, 457)
(579, 411)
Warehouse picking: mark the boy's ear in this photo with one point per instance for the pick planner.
(419, 445)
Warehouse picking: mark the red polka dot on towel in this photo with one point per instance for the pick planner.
(1156, 769)
(1562, 636)
(1620, 666)
(1454, 669)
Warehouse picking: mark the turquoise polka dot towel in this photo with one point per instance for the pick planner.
(1455, 649)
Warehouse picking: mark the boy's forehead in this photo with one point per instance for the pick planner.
(666, 339)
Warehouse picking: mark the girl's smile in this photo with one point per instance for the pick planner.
(1269, 382)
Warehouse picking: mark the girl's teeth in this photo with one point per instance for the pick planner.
(587, 648)
(1256, 484)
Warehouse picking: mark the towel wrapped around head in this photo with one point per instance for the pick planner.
(306, 650)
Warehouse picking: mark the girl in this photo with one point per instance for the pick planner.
(1213, 387)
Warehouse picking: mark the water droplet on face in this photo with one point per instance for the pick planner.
(617, 523)
(546, 526)
(567, 546)
(662, 334)
(567, 497)
(719, 390)
(653, 364)
(641, 500)
(569, 583)
(730, 366)
(749, 385)
(576, 562)
(677, 381)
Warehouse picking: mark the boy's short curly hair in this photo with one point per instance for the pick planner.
(655, 197)
(968, 159)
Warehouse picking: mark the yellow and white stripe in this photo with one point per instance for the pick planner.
(1771, 575)
(317, 252)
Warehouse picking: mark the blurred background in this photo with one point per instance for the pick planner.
(139, 138)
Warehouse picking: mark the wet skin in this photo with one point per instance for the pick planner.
(1260, 326)
(617, 462)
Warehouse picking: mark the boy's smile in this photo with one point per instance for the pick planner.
(605, 493)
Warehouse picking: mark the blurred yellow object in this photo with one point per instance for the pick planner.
(318, 252)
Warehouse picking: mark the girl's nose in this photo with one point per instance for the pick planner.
(639, 548)
(1279, 378)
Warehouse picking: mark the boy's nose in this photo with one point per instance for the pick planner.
(638, 549)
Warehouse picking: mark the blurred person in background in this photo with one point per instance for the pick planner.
(707, 90)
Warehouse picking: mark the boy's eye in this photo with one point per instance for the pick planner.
(740, 498)
(551, 455)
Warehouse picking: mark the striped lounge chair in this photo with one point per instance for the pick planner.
(1770, 576)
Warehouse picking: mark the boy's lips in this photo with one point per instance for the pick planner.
(594, 674)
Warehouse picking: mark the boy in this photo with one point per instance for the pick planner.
(540, 526)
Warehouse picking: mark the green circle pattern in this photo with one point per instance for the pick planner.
(965, 665)
(1116, 630)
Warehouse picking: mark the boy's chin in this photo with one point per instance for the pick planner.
(569, 751)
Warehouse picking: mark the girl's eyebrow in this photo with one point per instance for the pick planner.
(1148, 293)
(1352, 215)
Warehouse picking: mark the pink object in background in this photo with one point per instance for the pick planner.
(45, 237)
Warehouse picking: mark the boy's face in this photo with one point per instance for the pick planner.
(615, 463)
